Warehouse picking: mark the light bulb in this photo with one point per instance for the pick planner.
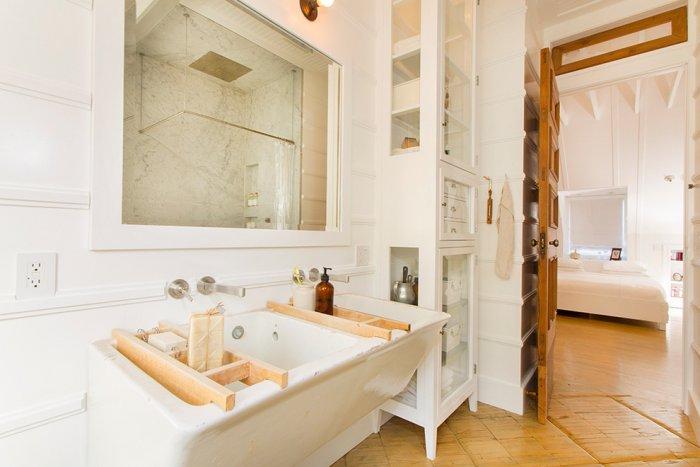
(325, 3)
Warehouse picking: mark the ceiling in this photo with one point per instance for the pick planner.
(609, 132)
(554, 11)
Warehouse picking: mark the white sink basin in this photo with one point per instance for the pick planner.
(283, 341)
(335, 379)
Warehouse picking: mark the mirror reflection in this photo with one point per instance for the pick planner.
(228, 120)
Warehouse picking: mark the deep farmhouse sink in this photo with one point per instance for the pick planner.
(334, 380)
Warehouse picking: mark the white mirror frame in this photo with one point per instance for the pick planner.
(107, 232)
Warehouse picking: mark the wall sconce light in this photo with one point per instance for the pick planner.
(310, 7)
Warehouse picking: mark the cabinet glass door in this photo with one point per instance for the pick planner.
(457, 298)
(458, 76)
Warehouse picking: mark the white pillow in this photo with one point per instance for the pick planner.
(570, 264)
(624, 267)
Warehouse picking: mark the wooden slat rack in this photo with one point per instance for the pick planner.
(191, 386)
(343, 319)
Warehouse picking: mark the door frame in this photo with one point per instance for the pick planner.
(637, 67)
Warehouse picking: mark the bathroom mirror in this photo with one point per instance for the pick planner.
(229, 121)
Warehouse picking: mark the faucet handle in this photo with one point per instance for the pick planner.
(178, 289)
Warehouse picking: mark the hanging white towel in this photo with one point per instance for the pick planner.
(506, 233)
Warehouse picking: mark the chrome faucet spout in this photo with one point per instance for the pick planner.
(207, 285)
(340, 278)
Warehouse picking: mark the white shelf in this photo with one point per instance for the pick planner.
(408, 119)
(406, 48)
(458, 123)
(456, 69)
(406, 97)
(400, 151)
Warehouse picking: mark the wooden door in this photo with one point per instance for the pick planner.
(548, 242)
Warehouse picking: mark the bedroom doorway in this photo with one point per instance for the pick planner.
(622, 208)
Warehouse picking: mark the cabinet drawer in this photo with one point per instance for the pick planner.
(455, 189)
(455, 230)
(455, 209)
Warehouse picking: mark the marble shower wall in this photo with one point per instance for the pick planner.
(182, 165)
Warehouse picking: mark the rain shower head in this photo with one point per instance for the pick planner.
(219, 67)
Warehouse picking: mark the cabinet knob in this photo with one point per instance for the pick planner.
(453, 230)
(444, 203)
(533, 242)
(554, 243)
(453, 209)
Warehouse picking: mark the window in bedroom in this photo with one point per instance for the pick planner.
(596, 224)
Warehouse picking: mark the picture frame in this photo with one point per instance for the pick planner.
(616, 254)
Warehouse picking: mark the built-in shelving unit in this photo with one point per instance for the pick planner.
(405, 59)
(430, 197)
(675, 277)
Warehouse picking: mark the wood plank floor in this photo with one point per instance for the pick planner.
(616, 402)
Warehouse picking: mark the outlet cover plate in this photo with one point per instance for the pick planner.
(36, 275)
(362, 255)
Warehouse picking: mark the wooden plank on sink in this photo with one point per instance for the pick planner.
(230, 372)
(331, 321)
(259, 370)
(370, 319)
(178, 378)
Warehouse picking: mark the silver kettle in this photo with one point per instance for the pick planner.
(403, 292)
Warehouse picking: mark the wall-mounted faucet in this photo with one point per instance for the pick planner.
(340, 278)
(178, 289)
(207, 285)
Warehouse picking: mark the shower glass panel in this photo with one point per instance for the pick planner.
(213, 132)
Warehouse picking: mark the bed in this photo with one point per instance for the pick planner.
(622, 290)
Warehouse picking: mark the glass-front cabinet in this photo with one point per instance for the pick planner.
(433, 144)
(457, 351)
(405, 60)
(458, 83)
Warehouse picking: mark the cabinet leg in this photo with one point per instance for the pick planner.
(377, 422)
(473, 403)
(430, 442)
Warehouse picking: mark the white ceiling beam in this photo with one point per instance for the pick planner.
(638, 96)
(674, 89)
(595, 105)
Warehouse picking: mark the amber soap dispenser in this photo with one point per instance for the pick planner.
(324, 294)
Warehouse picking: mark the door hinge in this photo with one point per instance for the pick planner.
(477, 80)
(478, 2)
(475, 368)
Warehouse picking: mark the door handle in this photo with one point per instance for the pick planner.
(554, 242)
(533, 242)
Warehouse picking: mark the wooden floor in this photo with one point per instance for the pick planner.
(616, 402)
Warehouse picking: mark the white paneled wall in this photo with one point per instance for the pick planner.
(502, 49)
(45, 144)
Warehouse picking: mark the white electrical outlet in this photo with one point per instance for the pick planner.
(36, 275)
(362, 255)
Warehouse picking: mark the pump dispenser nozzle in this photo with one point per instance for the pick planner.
(325, 277)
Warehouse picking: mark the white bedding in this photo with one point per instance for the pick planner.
(633, 296)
